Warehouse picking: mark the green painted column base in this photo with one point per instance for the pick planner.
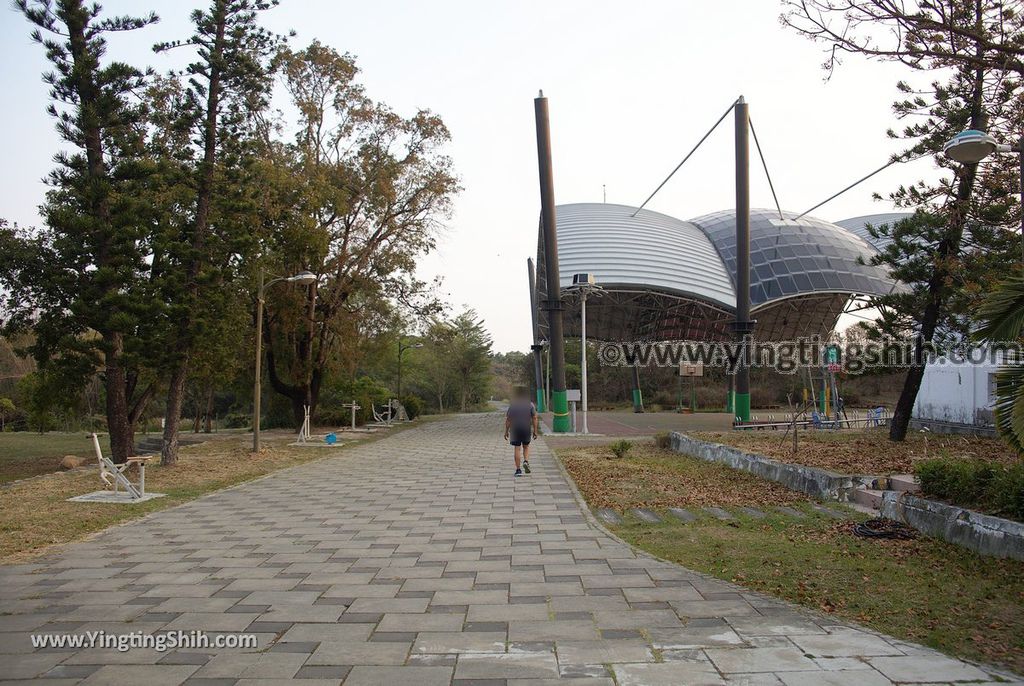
(562, 422)
(540, 400)
(742, 404)
(729, 404)
(638, 400)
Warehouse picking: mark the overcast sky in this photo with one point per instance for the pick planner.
(632, 86)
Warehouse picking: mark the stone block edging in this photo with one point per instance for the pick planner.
(816, 482)
(984, 534)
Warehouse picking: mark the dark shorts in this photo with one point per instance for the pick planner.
(519, 436)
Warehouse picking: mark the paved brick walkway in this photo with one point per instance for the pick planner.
(419, 560)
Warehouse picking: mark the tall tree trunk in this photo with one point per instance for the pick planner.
(208, 423)
(304, 396)
(298, 411)
(915, 374)
(306, 392)
(946, 254)
(119, 422)
(172, 415)
(115, 382)
(204, 199)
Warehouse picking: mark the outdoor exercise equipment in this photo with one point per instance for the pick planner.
(113, 475)
(354, 406)
(305, 437)
(392, 411)
(304, 433)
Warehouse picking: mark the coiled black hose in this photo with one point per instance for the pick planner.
(880, 527)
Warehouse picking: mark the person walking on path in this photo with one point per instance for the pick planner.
(521, 423)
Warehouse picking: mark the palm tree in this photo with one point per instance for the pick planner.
(1002, 317)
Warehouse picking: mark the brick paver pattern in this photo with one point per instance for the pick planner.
(419, 559)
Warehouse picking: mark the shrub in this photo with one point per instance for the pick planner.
(975, 484)
(367, 393)
(1007, 490)
(959, 481)
(333, 416)
(620, 448)
(237, 420)
(663, 440)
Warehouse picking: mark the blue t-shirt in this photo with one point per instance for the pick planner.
(520, 415)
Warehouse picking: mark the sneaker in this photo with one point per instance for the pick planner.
(519, 472)
(526, 467)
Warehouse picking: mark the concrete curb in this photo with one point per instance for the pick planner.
(819, 483)
(984, 534)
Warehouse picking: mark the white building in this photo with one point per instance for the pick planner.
(959, 392)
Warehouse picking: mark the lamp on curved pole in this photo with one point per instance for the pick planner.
(303, 278)
(972, 146)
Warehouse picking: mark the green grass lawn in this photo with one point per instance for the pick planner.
(26, 453)
(922, 590)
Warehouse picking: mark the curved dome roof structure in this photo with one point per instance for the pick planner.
(859, 226)
(668, 279)
(649, 250)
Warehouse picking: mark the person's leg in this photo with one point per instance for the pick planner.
(517, 456)
(526, 456)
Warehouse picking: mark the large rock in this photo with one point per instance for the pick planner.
(72, 462)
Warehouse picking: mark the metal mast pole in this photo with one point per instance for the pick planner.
(559, 403)
(742, 326)
(536, 347)
(638, 396)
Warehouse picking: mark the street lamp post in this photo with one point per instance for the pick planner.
(585, 285)
(303, 278)
(972, 146)
(401, 349)
(583, 355)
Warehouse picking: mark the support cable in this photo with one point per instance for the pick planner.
(764, 164)
(699, 143)
(855, 183)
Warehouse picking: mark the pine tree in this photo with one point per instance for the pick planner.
(957, 243)
(80, 281)
(225, 93)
